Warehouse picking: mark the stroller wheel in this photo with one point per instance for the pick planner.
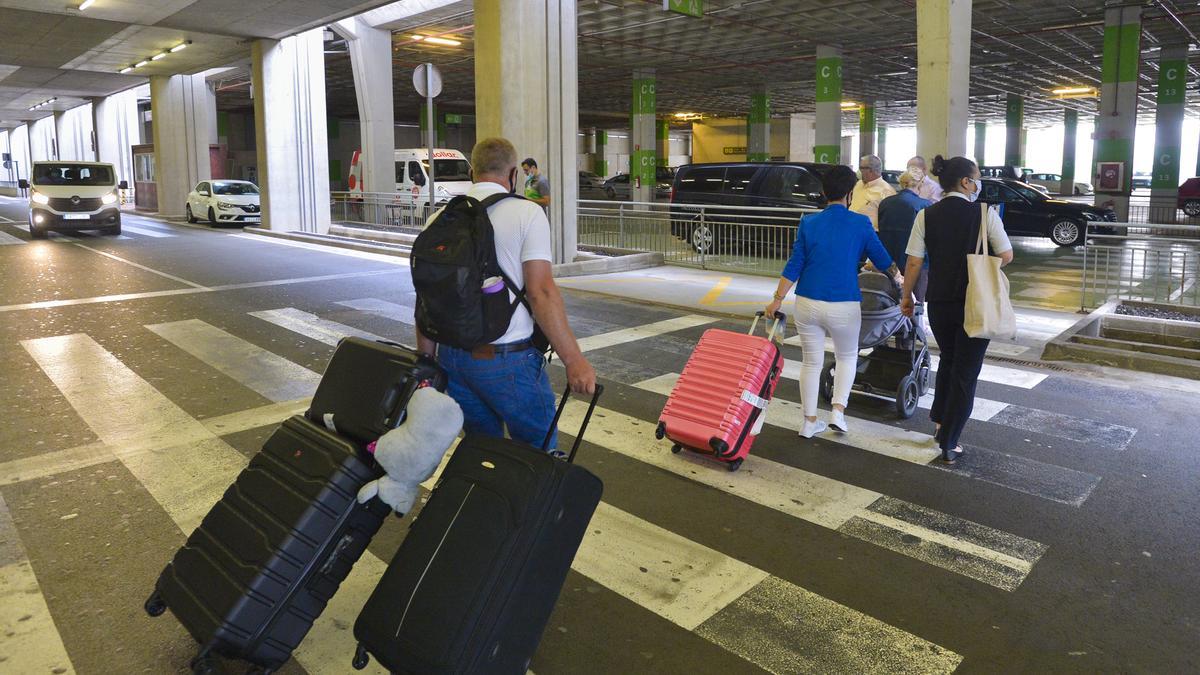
(923, 379)
(827, 383)
(906, 397)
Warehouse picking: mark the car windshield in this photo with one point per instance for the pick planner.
(234, 188)
(72, 174)
(450, 169)
(1029, 193)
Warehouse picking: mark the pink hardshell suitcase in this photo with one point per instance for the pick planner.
(720, 401)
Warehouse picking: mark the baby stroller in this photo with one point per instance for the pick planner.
(898, 364)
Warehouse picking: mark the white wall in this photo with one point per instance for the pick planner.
(74, 131)
(41, 140)
(18, 141)
(118, 131)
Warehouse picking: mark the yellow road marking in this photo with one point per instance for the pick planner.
(711, 297)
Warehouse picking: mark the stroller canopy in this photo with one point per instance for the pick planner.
(881, 316)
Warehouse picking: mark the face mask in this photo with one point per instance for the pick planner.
(974, 196)
(917, 173)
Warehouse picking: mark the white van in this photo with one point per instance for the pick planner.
(73, 196)
(452, 174)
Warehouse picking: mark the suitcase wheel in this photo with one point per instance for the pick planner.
(361, 659)
(676, 448)
(734, 465)
(204, 664)
(660, 431)
(155, 605)
(719, 447)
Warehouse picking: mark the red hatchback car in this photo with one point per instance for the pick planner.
(1189, 197)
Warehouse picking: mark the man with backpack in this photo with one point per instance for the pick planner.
(486, 295)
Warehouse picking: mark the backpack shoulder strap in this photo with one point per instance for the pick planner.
(492, 200)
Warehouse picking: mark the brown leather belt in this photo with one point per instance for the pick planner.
(490, 351)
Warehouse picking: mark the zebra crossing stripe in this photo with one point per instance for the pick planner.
(7, 239)
(642, 332)
(838, 506)
(267, 373)
(31, 642)
(185, 477)
(388, 310)
(1029, 476)
(145, 231)
(311, 325)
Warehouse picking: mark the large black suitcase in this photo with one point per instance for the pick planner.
(264, 562)
(471, 588)
(366, 386)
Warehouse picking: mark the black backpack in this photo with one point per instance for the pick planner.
(451, 259)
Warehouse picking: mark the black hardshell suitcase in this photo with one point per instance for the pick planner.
(475, 581)
(366, 386)
(260, 568)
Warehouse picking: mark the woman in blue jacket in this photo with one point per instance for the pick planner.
(824, 269)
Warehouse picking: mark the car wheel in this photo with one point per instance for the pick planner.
(1066, 233)
(1078, 192)
(212, 216)
(1192, 207)
(36, 232)
(113, 231)
(701, 238)
(191, 218)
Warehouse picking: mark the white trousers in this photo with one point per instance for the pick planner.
(814, 320)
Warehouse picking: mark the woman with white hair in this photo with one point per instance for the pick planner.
(926, 187)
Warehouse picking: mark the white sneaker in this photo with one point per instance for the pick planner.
(812, 428)
(837, 421)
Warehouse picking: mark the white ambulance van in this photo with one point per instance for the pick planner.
(451, 173)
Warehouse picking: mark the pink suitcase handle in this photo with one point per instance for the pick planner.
(779, 318)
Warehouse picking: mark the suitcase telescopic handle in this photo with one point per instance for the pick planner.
(779, 318)
(562, 404)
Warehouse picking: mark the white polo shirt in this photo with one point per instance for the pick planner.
(522, 234)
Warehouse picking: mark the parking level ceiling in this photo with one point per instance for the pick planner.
(50, 49)
(713, 64)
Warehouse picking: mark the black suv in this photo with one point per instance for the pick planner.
(1027, 212)
(738, 185)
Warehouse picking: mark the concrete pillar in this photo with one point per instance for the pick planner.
(980, 143)
(42, 144)
(1014, 121)
(526, 74)
(943, 76)
(290, 130)
(641, 136)
(181, 136)
(866, 128)
(600, 162)
(662, 144)
(828, 142)
(1168, 135)
(18, 146)
(881, 144)
(422, 123)
(73, 129)
(1116, 120)
(758, 138)
(801, 137)
(115, 119)
(371, 62)
(1070, 132)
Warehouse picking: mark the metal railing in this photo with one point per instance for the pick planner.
(379, 210)
(753, 240)
(1158, 264)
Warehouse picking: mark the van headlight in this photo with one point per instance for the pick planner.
(110, 198)
(39, 198)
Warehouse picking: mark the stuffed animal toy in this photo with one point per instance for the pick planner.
(411, 452)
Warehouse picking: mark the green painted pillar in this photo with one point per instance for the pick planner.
(600, 162)
(1168, 134)
(1070, 132)
(866, 128)
(980, 142)
(1014, 120)
(642, 143)
(758, 136)
(662, 137)
(441, 125)
(1116, 120)
(828, 146)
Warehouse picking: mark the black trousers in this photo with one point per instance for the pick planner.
(958, 371)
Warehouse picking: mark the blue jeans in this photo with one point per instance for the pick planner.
(509, 390)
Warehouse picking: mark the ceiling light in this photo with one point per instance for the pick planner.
(85, 4)
(141, 63)
(1073, 90)
(156, 57)
(126, 69)
(682, 114)
(447, 42)
(846, 105)
(179, 47)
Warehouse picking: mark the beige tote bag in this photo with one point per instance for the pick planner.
(988, 312)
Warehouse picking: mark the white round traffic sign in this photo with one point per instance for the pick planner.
(435, 84)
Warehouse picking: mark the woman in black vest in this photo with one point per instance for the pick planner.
(948, 232)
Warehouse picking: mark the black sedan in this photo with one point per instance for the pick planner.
(1028, 212)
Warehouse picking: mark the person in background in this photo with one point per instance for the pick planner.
(926, 187)
(947, 233)
(824, 269)
(537, 187)
(871, 188)
(504, 385)
(896, 217)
